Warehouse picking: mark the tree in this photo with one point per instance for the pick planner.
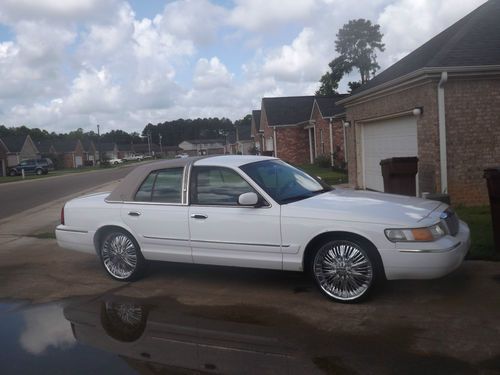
(357, 42)
(330, 80)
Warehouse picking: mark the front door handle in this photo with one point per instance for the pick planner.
(134, 213)
(199, 216)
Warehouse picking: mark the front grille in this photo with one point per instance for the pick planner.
(451, 220)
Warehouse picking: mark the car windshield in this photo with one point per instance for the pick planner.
(284, 183)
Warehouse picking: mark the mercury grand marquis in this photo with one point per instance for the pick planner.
(260, 212)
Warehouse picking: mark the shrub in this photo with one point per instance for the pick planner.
(322, 161)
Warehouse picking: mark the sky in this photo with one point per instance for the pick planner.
(123, 64)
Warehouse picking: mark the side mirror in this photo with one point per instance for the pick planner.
(248, 199)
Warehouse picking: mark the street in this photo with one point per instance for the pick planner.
(16, 197)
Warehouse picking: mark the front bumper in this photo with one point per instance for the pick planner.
(427, 260)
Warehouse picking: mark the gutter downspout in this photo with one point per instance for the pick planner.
(442, 133)
(331, 142)
(275, 143)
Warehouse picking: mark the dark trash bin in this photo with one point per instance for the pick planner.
(492, 176)
(399, 175)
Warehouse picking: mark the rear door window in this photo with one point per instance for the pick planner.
(163, 186)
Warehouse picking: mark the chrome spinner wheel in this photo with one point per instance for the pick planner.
(119, 255)
(343, 270)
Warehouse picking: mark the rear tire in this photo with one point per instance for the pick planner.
(121, 256)
(39, 172)
(12, 173)
(346, 270)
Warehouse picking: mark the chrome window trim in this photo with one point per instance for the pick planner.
(245, 178)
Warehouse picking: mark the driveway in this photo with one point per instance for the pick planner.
(449, 325)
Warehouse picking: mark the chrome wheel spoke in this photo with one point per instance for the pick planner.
(343, 270)
(119, 256)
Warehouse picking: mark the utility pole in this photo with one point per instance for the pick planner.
(161, 148)
(99, 143)
(149, 142)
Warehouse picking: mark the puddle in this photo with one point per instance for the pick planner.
(120, 335)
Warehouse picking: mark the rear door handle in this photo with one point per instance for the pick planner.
(134, 213)
(199, 216)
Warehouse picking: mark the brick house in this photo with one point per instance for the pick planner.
(195, 147)
(146, 149)
(256, 133)
(3, 159)
(109, 150)
(440, 103)
(244, 141)
(298, 129)
(125, 150)
(89, 152)
(69, 153)
(19, 148)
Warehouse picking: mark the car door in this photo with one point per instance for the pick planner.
(225, 233)
(159, 217)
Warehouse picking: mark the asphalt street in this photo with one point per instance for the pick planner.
(16, 197)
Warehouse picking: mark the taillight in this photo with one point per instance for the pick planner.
(62, 215)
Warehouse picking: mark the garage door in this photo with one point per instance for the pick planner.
(386, 139)
(78, 161)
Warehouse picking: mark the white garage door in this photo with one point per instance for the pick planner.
(78, 161)
(386, 139)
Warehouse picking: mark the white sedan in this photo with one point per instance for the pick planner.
(254, 211)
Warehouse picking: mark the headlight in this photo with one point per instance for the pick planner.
(431, 233)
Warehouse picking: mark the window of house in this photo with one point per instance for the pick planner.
(164, 186)
(217, 186)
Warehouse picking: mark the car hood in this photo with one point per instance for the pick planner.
(364, 206)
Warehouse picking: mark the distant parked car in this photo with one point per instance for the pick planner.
(181, 156)
(115, 161)
(48, 162)
(134, 158)
(36, 166)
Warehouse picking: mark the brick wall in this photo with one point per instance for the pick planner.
(423, 95)
(322, 128)
(293, 144)
(473, 136)
(472, 126)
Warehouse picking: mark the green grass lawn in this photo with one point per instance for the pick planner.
(57, 172)
(479, 220)
(329, 176)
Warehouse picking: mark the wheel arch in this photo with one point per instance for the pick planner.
(102, 231)
(319, 239)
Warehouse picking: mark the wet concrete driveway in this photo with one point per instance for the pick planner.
(61, 314)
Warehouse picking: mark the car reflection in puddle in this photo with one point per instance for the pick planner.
(164, 335)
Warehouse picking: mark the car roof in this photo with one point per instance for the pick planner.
(127, 187)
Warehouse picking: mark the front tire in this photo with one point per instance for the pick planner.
(12, 173)
(121, 256)
(346, 270)
(39, 172)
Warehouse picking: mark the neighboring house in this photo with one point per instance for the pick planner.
(46, 148)
(244, 141)
(203, 146)
(69, 153)
(440, 103)
(171, 151)
(109, 150)
(231, 146)
(257, 134)
(328, 119)
(296, 130)
(19, 148)
(146, 149)
(90, 154)
(125, 150)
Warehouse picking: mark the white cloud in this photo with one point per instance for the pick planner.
(262, 15)
(46, 327)
(210, 74)
(195, 20)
